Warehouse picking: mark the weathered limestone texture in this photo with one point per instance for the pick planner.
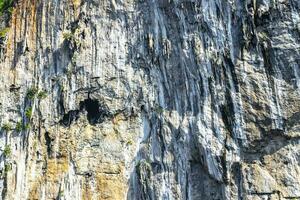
(150, 100)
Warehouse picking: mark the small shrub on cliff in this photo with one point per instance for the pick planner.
(73, 41)
(3, 32)
(28, 113)
(19, 126)
(6, 127)
(68, 36)
(7, 167)
(31, 93)
(7, 151)
(6, 6)
(27, 127)
(42, 94)
(61, 194)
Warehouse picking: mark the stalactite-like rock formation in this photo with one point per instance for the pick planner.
(148, 100)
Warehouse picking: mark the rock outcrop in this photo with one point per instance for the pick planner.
(146, 100)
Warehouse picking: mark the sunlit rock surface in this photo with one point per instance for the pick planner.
(153, 99)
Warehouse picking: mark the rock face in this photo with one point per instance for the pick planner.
(146, 100)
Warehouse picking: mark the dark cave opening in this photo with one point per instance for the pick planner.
(92, 108)
(96, 112)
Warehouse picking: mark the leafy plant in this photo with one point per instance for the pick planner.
(7, 167)
(6, 6)
(27, 126)
(7, 151)
(19, 126)
(31, 92)
(3, 32)
(68, 36)
(42, 94)
(6, 127)
(61, 194)
(71, 38)
(28, 113)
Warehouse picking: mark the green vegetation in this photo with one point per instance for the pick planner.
(6, 127)
(31, 93)
(7, 167)
(34, 92)
(7, 151)
(27, 126)
(61, 194)
(19, 126)
(42, 94)
(129, 142)
(3, 32)
(6, 6)
(72, 39)
(68, 36)
(28, 113)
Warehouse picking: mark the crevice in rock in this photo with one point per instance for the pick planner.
(266, 193)
(236, 170)
(69, 117)
(227, 116)
(48, 143)
(292, 197)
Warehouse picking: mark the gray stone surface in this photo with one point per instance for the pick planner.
(156, 99)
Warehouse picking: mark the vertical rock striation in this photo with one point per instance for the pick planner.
(145, 100)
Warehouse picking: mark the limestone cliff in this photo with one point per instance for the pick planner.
(150, 99)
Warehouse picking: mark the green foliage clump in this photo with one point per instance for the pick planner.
(61, 194)
(68, 36)
(6, 127)
(7, 151)
(72, 39)
(19, 126)
(7, 167)
(6, 6)
(3, 32)
(31, 93)
(28, 113)
(27, 126)
(42, 94)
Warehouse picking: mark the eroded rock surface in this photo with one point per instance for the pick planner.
(154, 99)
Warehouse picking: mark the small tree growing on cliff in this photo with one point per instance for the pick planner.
(6, 6)
(42, 94)
(19, 126)
(31, 93)
(6, 127)
(7, 151)
(28, 113)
